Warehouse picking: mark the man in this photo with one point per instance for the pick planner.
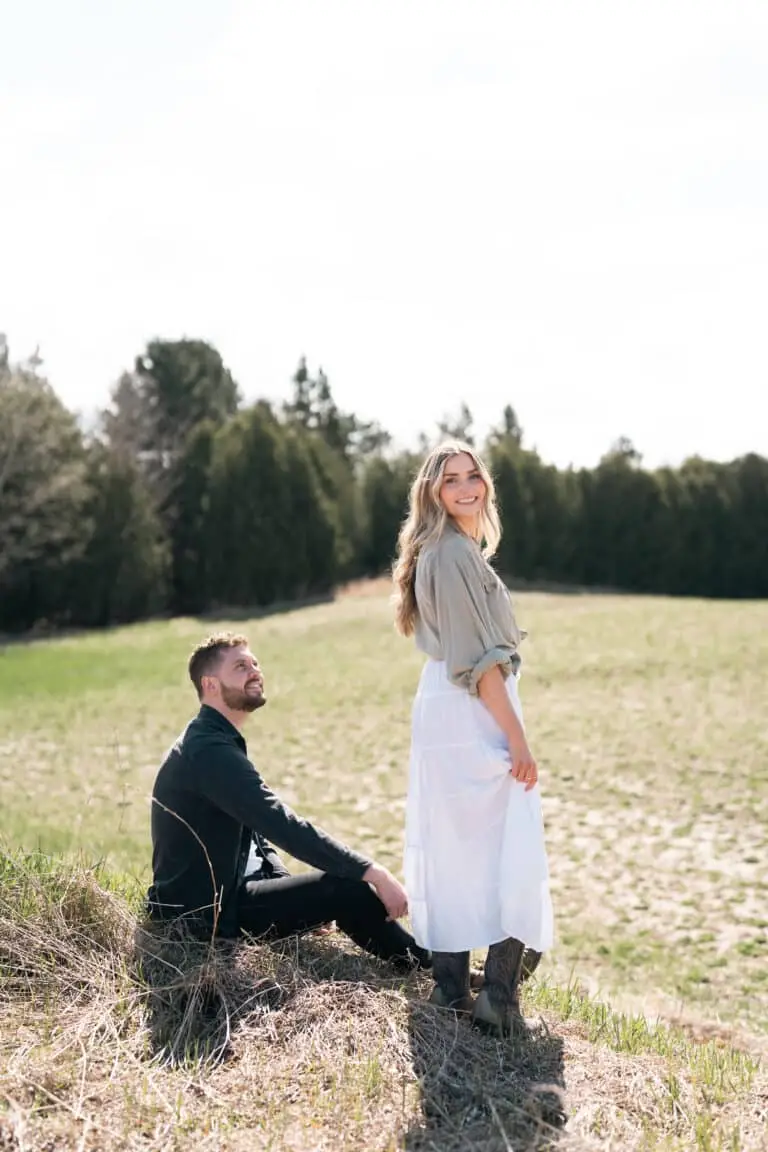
(211, 810)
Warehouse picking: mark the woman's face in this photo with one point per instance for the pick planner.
(462, 492)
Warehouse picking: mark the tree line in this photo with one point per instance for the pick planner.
(183, 499)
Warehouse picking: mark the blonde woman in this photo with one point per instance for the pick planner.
(475, 861)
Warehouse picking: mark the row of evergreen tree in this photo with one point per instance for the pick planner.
(182, 500)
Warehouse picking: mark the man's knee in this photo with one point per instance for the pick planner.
(356, 896)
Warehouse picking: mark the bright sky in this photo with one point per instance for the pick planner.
(563, 206)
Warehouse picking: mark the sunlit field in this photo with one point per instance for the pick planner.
(647, 716)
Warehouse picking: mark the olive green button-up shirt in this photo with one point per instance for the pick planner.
(465, 615)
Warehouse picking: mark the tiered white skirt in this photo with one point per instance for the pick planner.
(475, 860)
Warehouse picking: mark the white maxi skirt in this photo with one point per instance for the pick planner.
(475, 864)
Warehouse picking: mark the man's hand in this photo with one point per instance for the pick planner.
(324, 929)
(388, 889)
(523, 764)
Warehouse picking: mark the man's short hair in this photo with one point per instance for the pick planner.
(205, 659)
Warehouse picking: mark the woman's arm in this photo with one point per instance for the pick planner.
(493, 693)
(473, 646)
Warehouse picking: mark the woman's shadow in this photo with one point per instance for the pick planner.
(481, 1093)
(474, 1093)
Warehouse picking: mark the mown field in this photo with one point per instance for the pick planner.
(648, 718)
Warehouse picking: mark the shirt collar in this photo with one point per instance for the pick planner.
(212, 718)
(452, 526)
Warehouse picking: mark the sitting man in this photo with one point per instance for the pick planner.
(211, 811)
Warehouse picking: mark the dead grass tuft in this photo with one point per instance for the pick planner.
(113, 1035)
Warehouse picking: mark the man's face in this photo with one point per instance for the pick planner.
(240, 679)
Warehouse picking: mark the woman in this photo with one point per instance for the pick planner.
(475, 861)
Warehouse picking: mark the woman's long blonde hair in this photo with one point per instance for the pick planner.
(426, 522)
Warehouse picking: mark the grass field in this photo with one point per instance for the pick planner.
(647, 716)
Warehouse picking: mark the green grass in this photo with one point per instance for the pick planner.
(646, 716)
(112, 1037)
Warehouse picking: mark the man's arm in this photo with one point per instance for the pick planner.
(388, 889)
(227, 778)
(275, 866)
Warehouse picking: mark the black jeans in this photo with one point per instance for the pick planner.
(291, 905)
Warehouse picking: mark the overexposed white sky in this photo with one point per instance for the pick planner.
(559, 205)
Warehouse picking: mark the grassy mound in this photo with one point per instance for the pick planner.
(116, 1037)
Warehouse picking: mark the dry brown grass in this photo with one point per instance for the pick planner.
(114, 1037)
(648, 718)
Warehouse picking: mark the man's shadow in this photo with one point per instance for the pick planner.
(482, 1093)
(198, 993)
(474, 1092)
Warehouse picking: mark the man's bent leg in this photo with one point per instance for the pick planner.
(364, 918)
(296, 904)
(285, 906)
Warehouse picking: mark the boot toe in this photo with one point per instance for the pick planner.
(486, 1016)
(440, 998)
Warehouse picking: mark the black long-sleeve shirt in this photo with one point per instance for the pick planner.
(207, 803)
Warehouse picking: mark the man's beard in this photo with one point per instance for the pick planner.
(241, 701)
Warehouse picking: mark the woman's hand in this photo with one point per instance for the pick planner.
(493, 695)
(388, 889)
(524, 768)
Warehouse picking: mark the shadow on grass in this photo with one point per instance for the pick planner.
(479, 1093)
(200, 992)
(473, 1092)
(258, 612)
(197, 991)
(45, 630)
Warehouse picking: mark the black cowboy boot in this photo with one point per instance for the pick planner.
(497, 1008)
(451, 973)
(531, 961)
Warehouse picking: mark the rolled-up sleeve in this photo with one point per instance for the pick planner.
(471, 639)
